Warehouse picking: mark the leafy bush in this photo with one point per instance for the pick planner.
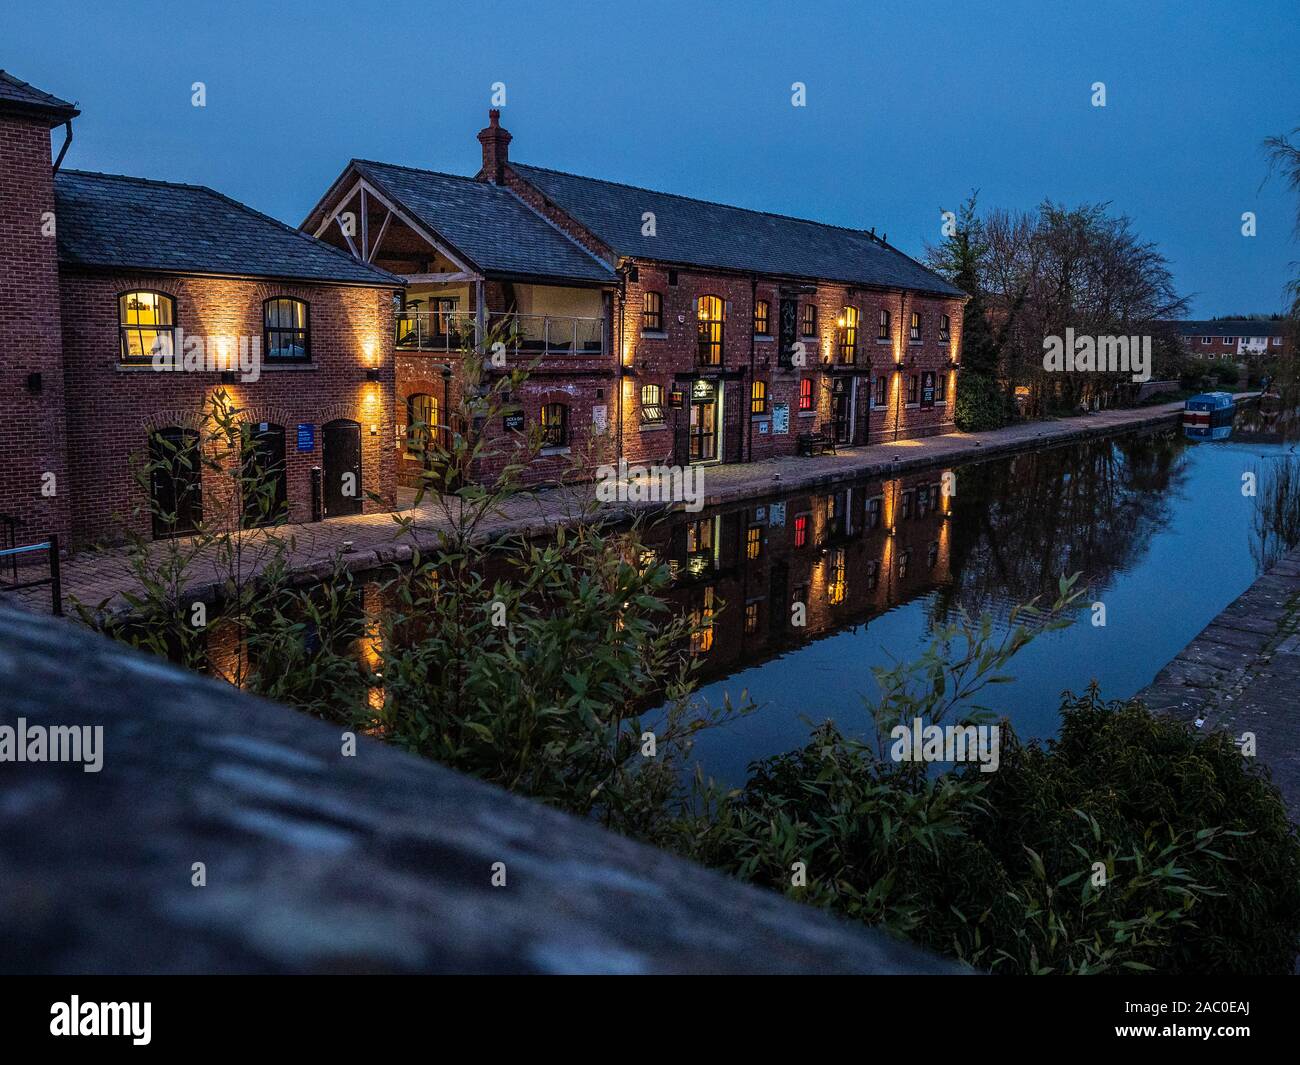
(979, 404)
(1005, 870)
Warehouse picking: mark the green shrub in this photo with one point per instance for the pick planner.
(1201, 864)
(980, 404)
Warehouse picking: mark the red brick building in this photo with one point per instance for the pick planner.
(101, 271)
(1240, 339)
(662, 328)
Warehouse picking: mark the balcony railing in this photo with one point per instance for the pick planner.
(539, 334)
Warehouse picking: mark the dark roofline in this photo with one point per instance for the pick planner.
(383, 279)
(748, 210)
(46, 103)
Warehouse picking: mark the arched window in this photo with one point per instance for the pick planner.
(945, 327)
(758, 398)
(652, 405)
(712, 315)
(555, 425)
(915, 331)
(147, 321)
(421, 420)
(805, 393)
(848, 324)
(652, 312)
(287, 336)
(882, 332)
(762, 318)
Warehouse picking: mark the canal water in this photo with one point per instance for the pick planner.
(1158, 525)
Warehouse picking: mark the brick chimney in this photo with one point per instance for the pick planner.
(496, 149)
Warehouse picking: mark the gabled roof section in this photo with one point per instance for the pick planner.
(701, 233)
(107, 220)
(1233, 327)
(488, 224)
(17, 96)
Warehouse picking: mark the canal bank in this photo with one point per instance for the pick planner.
(367, 541)
(1241, 674)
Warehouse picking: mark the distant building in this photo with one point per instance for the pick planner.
(1242, 339)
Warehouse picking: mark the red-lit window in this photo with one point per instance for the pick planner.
(801, 531)
(805, 394)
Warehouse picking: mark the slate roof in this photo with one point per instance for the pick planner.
(701, 233)
(107, 220)
(17, 95)
(1233, 327)
(488, 224)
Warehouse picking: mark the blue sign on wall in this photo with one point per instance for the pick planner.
(306, 437)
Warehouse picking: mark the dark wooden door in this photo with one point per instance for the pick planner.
(265, 477)
(341, 446)
(176, 482)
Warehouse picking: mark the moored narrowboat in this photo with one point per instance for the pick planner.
(1209, 416)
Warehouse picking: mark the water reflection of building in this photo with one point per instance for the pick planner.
(749, 573)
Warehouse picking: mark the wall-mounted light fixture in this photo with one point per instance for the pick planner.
(227, 377)
(372, 374)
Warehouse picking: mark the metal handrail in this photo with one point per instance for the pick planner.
(53, 580)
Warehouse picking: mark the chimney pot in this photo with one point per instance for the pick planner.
(496, 149)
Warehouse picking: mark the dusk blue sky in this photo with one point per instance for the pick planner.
(909, 106)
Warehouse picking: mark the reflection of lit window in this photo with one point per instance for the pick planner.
(801, 531)
(873, 575)
(873, 512)
(903, 558)
(751, 617)
(932, 555)
(753, 541)
(702, 621)
(836, 580)
(905, 510)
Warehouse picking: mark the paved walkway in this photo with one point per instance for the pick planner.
(365, 541)
(1242, 674)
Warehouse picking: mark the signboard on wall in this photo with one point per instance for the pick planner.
(780, 417)
(306, 437)
(599, 417)
(514, 421)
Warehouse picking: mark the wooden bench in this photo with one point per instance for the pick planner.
(816, 444)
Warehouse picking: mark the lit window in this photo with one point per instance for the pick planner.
(421, 417)
(801, 531)
(555, 425)
(652, 312)
(712, 315)
(753, 542)
(652, 405)
(873, 512)
(873, 575)
(848, 324)
(284, 322)
(914, 332)
(751, 617)
(836, 579)
(147, 321)
(882, 331)
(806, 394)
(762, 318)
(758, 398)
(809, 328)
(945, 327)
(699, 536)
